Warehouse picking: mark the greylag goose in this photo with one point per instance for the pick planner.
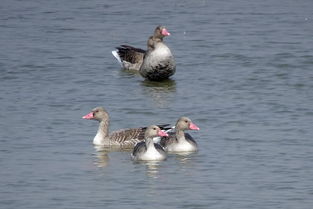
(148, 150)
(126, 138)
(155, 63)
(179, 141)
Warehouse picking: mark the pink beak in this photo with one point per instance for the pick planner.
(193, 126)
(88, 116)
(165, 32)
(162, 133)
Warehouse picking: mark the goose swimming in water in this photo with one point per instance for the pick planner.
(126, 138)
(156, 63)
(148, 150)
(179, 141)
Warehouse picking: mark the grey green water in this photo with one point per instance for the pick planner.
(244, 76)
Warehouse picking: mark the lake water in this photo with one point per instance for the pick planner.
(244, 76)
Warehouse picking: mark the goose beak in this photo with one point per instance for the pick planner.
(165, 32)
(88, 116)
(162, 133)
(193, 126)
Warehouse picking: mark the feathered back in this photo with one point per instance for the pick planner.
(130, 54)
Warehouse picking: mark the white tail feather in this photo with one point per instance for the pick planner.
(115, 54)
(171, 129)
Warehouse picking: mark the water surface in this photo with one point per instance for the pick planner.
(244, 76)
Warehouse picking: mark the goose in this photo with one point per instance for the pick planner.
(179, 141)
(126, 138)
(148, 150)
(156, 63)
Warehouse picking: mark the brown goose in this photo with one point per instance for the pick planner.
(126, 138)
(179, 141)
(155, 63)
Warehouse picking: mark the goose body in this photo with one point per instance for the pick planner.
(179, 141)
(158, 63)
(148, 150)
(155, 63)
(126, 138)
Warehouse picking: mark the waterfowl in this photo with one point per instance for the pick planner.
(148, 150)
(179, 141)
(126, 138)
(156, 63)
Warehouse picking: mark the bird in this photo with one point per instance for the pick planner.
(156, 63)
(179, 141)
(125, 138)
(147, 150)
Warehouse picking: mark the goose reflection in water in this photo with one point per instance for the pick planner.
(160, 92)
(152, 167)
(102, 154)
(186, 161)
(102, 157)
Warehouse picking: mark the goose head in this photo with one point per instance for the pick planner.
(184, 123)
(98, 113)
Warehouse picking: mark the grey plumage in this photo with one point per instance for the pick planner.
(141, 148)
(148, 150)
(172, 139)
(126, 138)
(179, 141)
(155, 63)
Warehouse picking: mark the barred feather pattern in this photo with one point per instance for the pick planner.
(130, 54)
(128, 138)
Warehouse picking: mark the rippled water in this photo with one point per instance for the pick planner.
(244, 76)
